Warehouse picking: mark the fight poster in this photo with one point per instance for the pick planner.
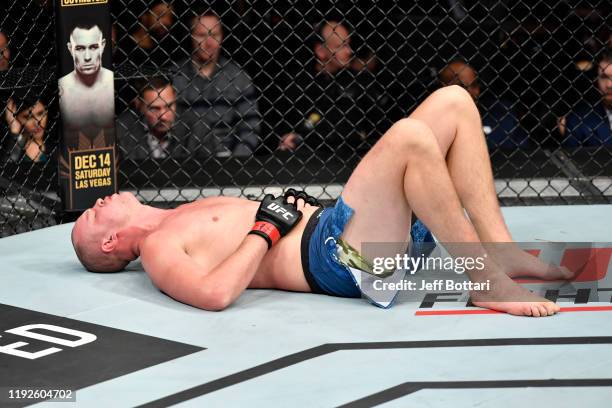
(87, 165)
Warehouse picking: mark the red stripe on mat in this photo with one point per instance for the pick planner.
(486, 311)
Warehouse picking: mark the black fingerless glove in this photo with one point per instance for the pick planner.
(275, 218)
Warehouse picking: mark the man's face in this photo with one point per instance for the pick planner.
(206, 37)
(107, 216)
(604, 81)
(159, 19)
(335, 52)
(86, 47)
(5, 53)
(159, 108)
(34, 120)
(464, 76)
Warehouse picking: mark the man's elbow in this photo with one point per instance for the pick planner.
(215, 300)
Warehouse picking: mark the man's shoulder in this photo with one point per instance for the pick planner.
(107, 75)
(233, 71)
(585, 109)
(164, 239)
(67, 79)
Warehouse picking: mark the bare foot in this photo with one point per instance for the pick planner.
(516, 262)
(509, 297)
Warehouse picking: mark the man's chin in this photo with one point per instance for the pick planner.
(88, 72)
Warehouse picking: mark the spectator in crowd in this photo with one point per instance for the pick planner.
(499, 123)
(5, 52)
(150, 42)
(216, 98)
(150, 132)
(26, 117)
(329, 105)
(590, 124)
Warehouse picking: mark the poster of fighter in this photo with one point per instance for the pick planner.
(87, 165)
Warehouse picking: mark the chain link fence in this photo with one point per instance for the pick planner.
(236, 97)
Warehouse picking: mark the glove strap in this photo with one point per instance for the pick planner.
(267, 231)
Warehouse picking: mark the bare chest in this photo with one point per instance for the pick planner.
(88, 107)
(213, 231)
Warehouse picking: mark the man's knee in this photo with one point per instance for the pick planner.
(410, 136)
(453, 97)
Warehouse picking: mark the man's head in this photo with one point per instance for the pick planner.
(333, 47)
(206, 37)
(5, 52)
(97, 233)
(158, 105)
(31, 113)
(158, 19)
(460, 73)
(604, 76)
(86, 47)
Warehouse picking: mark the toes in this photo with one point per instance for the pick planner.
(543, 310)
(552, 308)
(535, 311)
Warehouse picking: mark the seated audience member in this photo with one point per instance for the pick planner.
(150, 131)
(590, 124)
(26, 117)
(216, 98)
(5, 52)
(150, 42)
(330, 106)
(499, 123)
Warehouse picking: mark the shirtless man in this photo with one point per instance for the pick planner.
(434, 163)
(87, 93)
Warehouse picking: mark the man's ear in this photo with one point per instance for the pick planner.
(109, 243)
(69, 45)
(103, 44)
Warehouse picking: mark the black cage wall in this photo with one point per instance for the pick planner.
(237, 96)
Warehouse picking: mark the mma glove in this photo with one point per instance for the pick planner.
(276, 217)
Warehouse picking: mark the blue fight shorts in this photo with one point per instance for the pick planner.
(323, 270)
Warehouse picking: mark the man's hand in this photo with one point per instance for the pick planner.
(289, 141)
(276, 217)
(11, 120)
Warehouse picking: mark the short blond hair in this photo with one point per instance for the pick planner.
(92, 257)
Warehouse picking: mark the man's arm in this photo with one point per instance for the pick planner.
(214, 287)
(175, 273)
(248, 119)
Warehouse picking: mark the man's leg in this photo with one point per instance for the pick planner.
(406, 171)
(454, 119)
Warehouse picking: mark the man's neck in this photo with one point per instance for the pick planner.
(89, 80)
(205, 69)
(145, 222)
(159, 135)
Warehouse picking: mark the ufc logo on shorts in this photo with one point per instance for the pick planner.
(280, 210)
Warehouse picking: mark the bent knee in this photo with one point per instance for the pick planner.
(453, 97)
(411, 136)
